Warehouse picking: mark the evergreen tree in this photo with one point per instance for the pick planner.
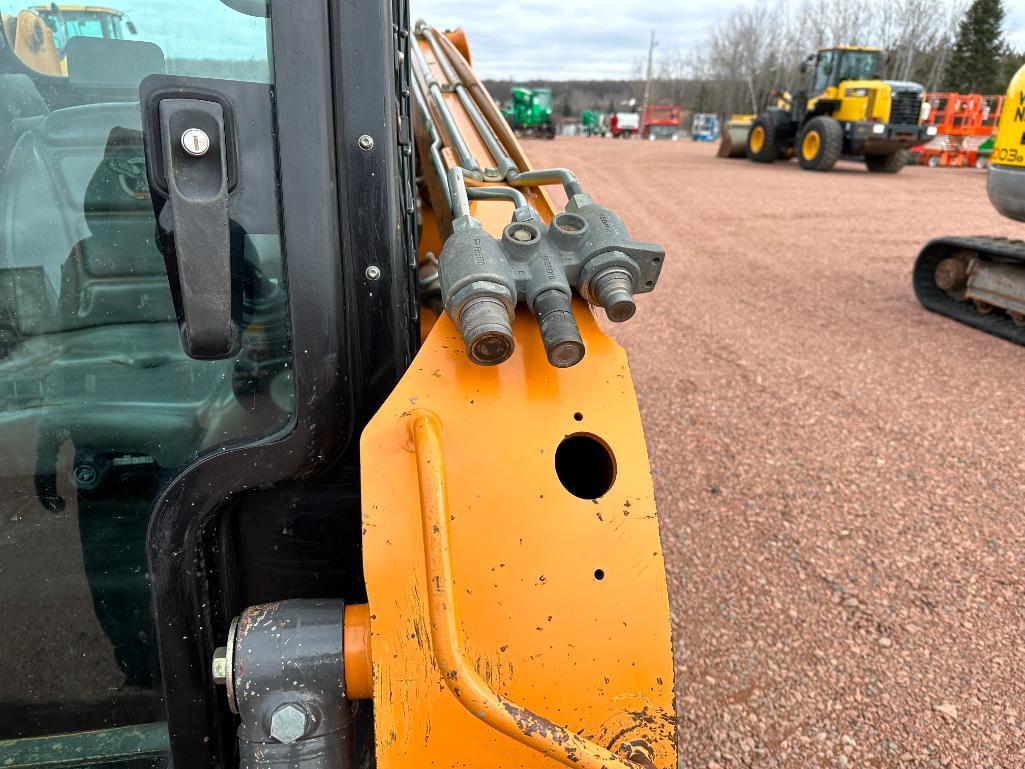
(977, 61)
(1012, 61)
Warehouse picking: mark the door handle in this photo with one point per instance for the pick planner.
(194, 159)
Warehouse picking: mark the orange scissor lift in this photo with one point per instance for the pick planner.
(966, 125)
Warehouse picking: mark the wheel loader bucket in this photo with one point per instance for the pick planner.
(734, 138)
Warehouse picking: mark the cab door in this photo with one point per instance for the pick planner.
(173, 339)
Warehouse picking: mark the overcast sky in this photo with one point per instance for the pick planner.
(590, 39)
(556, 39)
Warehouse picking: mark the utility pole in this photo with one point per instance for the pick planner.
(651, 64)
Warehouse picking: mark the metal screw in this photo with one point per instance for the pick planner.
(289, 722)
(373, 272)
(366, 142)
(195, 142)
(220, 665)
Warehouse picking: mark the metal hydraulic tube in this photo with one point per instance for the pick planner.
(504, 164)
(466, 158)
(472, 692)
(436, 143)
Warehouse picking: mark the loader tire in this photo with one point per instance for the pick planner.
(761, 144)
(820, 144)
(887, 164)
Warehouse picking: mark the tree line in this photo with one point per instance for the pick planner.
(946, 45)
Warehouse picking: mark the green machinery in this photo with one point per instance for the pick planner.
(529, 111)
(595, 123)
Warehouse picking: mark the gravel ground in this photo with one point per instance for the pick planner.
(838, 472)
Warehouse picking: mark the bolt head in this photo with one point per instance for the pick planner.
(219, 665)
(373, 272)
(195, 142)
(289, 723)
(366, 142)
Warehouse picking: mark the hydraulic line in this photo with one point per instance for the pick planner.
(462, 679)
(436, 142)
(498, 193)
(505, 164)
(562, 176)
(484, 102)
(459, 198)
(466, 159)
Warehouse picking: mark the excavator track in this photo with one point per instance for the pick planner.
(953, 303)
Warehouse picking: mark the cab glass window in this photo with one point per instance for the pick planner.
(99, 406)
(859, 65)
(823, 71)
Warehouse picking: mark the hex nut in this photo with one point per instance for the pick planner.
(219, 665)
(289, 722)
(476, 289)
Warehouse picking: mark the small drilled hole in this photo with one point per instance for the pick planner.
(585, 466)
(599, 574)
(579, 417)
(648, 284)
(656, 260)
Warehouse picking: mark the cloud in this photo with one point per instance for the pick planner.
(596, 39)
(570, 39)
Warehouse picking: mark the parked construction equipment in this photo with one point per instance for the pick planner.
(529, 111)
(848, 111)
(980, 281)
(704, 127)
(39, 34)
(623, 125)
(595, 123)
(734, 137)
(314, 453)
(661, 121)
(965, 126)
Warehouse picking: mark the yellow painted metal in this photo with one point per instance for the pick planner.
(359, 678)
(511, 719)
(64, 7)
(858, 99)
(810, 145)
(1009, 144)
(535, 622)
(558, 604)
(33, 44)
(757, 138)
(849, 48)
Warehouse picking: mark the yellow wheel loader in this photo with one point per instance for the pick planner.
(847, 112)
(312, 450)
(980, 281)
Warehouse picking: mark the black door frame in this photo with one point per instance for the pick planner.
(340, 73)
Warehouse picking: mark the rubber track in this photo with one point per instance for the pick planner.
(939, 301)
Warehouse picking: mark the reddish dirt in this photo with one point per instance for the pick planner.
(839, 472)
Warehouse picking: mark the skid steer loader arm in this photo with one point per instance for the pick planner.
(519, 613)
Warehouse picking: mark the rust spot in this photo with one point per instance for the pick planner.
(640, 753)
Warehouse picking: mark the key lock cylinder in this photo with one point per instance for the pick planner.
(585, 249)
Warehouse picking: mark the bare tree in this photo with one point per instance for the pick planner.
(758, 48)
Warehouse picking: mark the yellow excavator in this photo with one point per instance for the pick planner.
(315, 454)
(980, 281)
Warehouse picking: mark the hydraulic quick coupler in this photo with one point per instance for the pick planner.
(586, 249)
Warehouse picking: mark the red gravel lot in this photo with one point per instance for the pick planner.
(838, 472)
